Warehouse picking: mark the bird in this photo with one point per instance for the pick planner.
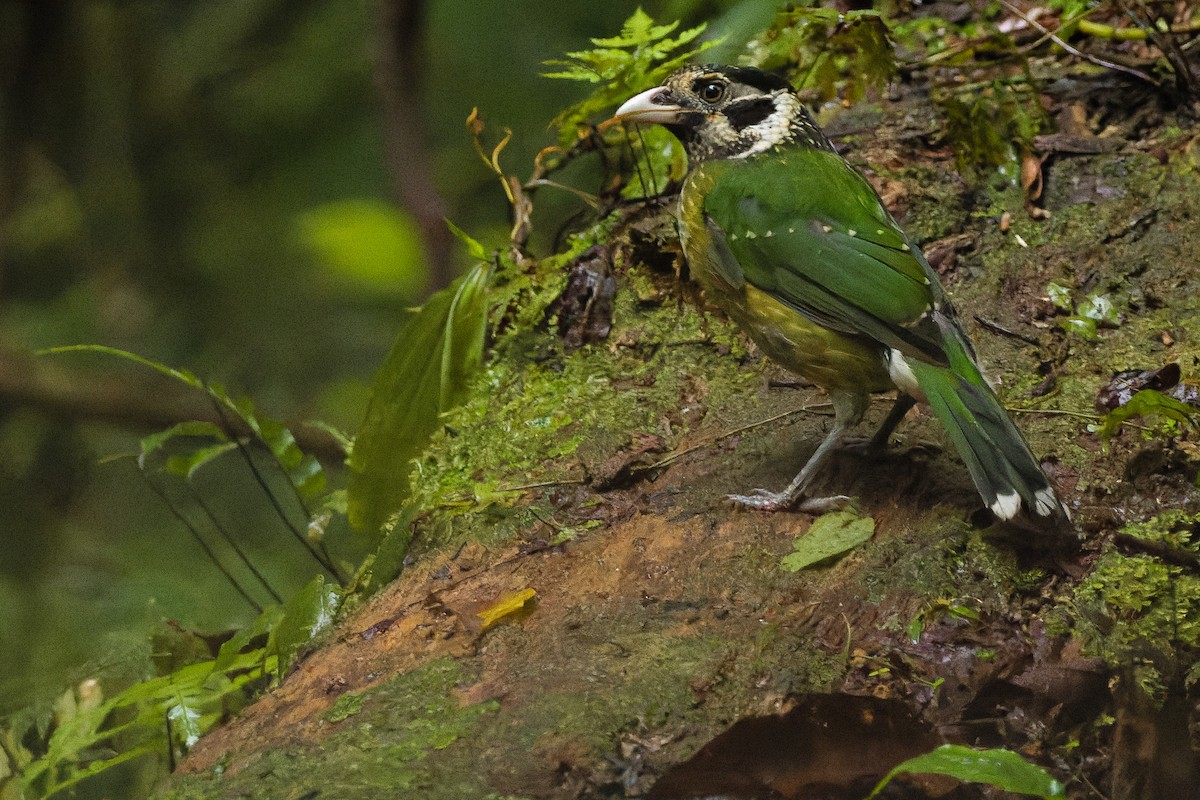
(797, 248)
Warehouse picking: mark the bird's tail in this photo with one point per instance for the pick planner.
(1004, 469)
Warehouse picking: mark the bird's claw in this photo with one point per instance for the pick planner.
(764, 500)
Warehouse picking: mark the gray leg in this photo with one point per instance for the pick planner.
(882, 436)
(848, 409)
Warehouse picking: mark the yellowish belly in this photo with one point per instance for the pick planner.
(824, 357)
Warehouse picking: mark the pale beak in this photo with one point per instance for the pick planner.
(651, 106)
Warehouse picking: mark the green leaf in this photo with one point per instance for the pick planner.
(154, 441)
(232, 650)
(434, 357)
(474, 248)
(303, 471)
(306, 615)
(181, 375)
(184, 717)
(641, 55)
(1003, 769)
(1150, 403)
(830, 535)
(185, 466)
(1059, 295)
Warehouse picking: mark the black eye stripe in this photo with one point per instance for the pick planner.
(743, 114)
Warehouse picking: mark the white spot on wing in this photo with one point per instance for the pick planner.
(1045, 503)
(852, 232)
(1006, 506)
(769, 233)
(902, 374)
(751, 235)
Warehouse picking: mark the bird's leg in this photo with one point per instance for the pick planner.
(882, 437)
(848, 410)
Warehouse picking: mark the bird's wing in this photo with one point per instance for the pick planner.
(805, 227)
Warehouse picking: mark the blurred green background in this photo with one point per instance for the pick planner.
(252, 190)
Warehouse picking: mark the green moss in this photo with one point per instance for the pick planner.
(1137, 612)
(388, 748)
(562, 414)
(945, 562)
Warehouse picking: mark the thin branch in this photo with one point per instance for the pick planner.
(398, 66)
(322, 559)
(208, 551)
(1075, 52)
(230, 540)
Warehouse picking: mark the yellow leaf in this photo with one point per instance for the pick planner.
(506, 605)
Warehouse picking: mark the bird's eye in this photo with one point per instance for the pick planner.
(712, 91)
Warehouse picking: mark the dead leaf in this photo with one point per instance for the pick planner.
(507, 605)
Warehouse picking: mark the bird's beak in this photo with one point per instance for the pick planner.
(652, 106)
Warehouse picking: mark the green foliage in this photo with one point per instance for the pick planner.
(303, 471)
(307, 615)
(830, 52)
(435, 356)
(1173, 416)
(829, 536)
(1137, 612)
(641, 55)
(990, 125)
(1087, 317)
(172, 711)
(936, 611)
(1003, 769)
(369, 242)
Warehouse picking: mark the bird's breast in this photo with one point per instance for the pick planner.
(827, 358)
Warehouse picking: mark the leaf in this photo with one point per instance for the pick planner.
(303, 471)
(1003, 769)
(185, 720)
(1148, 403)
(507, 605)
(178, 374)
(154, 441)
(426, 374)
(306, 615)
(830, 535)
(639, 56)
(260, 629)
(185, 466)
(474, 248)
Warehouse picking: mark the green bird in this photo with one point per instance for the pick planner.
(798, 249)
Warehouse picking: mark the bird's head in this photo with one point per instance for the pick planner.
(726, 112)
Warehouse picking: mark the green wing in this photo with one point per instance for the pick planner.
(805, 227)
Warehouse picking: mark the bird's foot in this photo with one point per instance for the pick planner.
(864, 446)
(763, 500)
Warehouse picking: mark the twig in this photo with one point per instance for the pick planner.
(1075, 52)
(720, 437)
(230, 540)
(322, 559)
(195, 532)
(996, 327)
